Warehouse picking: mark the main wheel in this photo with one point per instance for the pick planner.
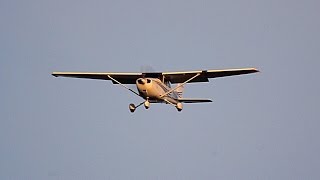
(132, 107)
(179, 106)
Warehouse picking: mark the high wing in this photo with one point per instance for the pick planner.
(180, 77)
(124, 78)
(173, 77)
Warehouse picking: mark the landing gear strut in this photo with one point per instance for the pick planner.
(132, 107)
(146, 104)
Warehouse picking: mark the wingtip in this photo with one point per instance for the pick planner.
(255, 70)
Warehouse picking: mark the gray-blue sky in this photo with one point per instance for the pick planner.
(261, 126)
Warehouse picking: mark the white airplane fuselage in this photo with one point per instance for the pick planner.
(152, 89)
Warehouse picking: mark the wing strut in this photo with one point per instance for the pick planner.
(123, 85)
(170, 91)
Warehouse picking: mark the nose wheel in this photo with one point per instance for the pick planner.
(146, 104)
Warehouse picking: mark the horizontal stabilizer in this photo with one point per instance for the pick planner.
(188, 100)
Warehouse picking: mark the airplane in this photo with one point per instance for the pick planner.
(155, 87)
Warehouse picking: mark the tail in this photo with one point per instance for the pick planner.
(179, 91)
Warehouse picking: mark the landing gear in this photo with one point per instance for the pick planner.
(146, 104)
(179, 107)
(132, 107)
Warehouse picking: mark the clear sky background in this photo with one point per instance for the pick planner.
(260, 126)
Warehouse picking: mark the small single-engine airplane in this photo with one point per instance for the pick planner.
(155, 87)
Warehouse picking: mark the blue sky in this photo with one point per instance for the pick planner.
(260, 126)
